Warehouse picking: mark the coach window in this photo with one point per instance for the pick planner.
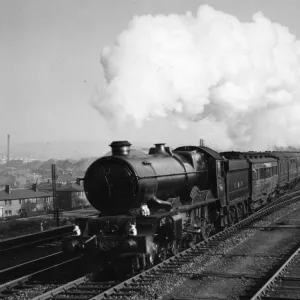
(261, 173)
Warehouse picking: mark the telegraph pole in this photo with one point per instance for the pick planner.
(55, 206)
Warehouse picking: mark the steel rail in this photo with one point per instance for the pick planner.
(172, 263)
(272, 281)
(8, 286)
(32, 265)
(34, 238)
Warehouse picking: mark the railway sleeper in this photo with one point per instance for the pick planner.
(252, 255)
(197, 253)
(225, 275)
(98, 283)
(86, 288)
(61, 297)
(23, 287)
(149, 277)
(80, 293)
(202, 248)
(118, 294)
(289, 278)
(163, 272)
(141, 285)
(147, 281)
(285, 288)
(112, 297)
(136, 289)
(272, 298)
(183, 260)
(193, 254)
(11, 291)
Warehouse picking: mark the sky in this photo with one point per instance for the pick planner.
(50, 68)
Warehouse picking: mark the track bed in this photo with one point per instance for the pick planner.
(239, 272)
(162, 280)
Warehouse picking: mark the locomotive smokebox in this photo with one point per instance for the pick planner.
(160, 148)
(120, 148)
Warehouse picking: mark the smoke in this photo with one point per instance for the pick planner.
(211, 69)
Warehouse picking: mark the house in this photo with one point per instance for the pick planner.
(45, 186)
(71, 196)
(13, 202)
(64, 179)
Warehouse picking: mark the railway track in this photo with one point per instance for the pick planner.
(285, 283)
(84, 288)
(34, 239)
(34, 279)
(32, 266)
(23, 249)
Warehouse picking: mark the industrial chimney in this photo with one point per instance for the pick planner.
(8, 141)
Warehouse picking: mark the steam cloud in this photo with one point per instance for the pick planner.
(208, 69)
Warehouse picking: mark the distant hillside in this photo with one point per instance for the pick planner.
(77, 167)
(43, 168)
(288, 148)
(38, 170)
(82, 165)
(57, 149)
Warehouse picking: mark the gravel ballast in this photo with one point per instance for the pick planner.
(248, 241)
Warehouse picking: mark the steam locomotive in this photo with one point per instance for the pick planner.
(153, 204)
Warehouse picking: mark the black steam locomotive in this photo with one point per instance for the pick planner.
(152, 204)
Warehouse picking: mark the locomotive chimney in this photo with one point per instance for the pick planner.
(160, 148)
(201, 143)
(120, 148)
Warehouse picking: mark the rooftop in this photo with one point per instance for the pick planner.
(22, 194)
(66, 178)
(72, 187)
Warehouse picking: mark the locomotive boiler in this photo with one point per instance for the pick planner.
(123, 182)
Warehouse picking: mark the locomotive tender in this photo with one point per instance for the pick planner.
(152, 204)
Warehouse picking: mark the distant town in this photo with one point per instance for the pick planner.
(26, 185)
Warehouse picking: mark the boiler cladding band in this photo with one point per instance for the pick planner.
(168, 175)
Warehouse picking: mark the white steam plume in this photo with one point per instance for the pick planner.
(244, 76)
